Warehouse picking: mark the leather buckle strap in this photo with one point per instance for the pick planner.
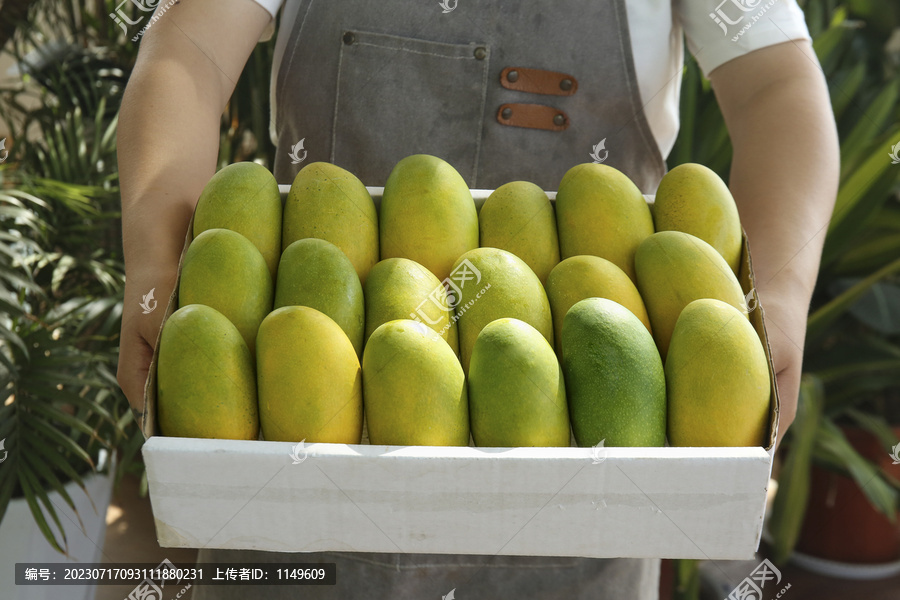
(533, 116)
(538, 81)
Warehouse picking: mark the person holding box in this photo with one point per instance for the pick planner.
(503, 92)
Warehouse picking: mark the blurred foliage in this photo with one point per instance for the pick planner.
(61, 265)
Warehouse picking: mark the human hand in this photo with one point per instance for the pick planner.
(140, 329)
(785, 317)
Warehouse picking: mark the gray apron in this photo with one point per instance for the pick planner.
(365, 83)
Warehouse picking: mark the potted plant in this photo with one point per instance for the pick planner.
(59, 414)
(63, 420)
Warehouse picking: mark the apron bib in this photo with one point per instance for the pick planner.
(365, 84)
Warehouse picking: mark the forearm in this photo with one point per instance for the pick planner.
(168, 134)
(164, 162)
(168, 141)
(784, 179)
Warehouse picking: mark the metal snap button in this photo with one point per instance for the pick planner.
(480, 53)
(565, 85)
(349, 38)
(559, 120)
(512, 76)
(506, 113)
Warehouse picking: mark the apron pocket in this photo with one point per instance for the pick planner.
(398, 96)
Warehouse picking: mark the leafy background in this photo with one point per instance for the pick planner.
(62, 276)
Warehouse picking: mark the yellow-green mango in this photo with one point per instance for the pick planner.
(315, 273)
(244, 197)
(517, 394)
(206, 381)
(414, 388)
(580, 277)
(427, 214)
(309, 379)
(717, 378)
(222, 269)
(399, 288)
(676, 268)
(331, 203)
(614, 376)
(694, 199)
(491, 284)
(518, 217)
(601, 212)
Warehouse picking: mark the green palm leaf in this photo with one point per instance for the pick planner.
(794, 480)
(833, 447)
(826, 315)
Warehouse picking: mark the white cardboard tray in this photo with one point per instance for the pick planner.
(617, 502)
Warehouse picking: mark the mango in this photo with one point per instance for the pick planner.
(676, 268)
(488, 284)
(244, 197)
(580, 277)
(694, 199)
(309, 379)
(209, 393)
(330, 203)
(399, 288)
(517, 394)
(599, 211)
(222, 269)
(717, 378)
(614, 376)
(414, 388)
(315, 273)
(427, 214)
(518, 217)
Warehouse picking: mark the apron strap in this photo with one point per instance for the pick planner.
(533, 116)
(538, 81)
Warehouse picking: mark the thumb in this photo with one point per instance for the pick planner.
(135, 354)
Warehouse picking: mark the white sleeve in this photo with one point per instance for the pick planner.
(272, 7)
(720, 30)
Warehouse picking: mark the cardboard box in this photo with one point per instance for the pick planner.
(705, 503)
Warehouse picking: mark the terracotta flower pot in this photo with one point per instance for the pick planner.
(841, 524)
